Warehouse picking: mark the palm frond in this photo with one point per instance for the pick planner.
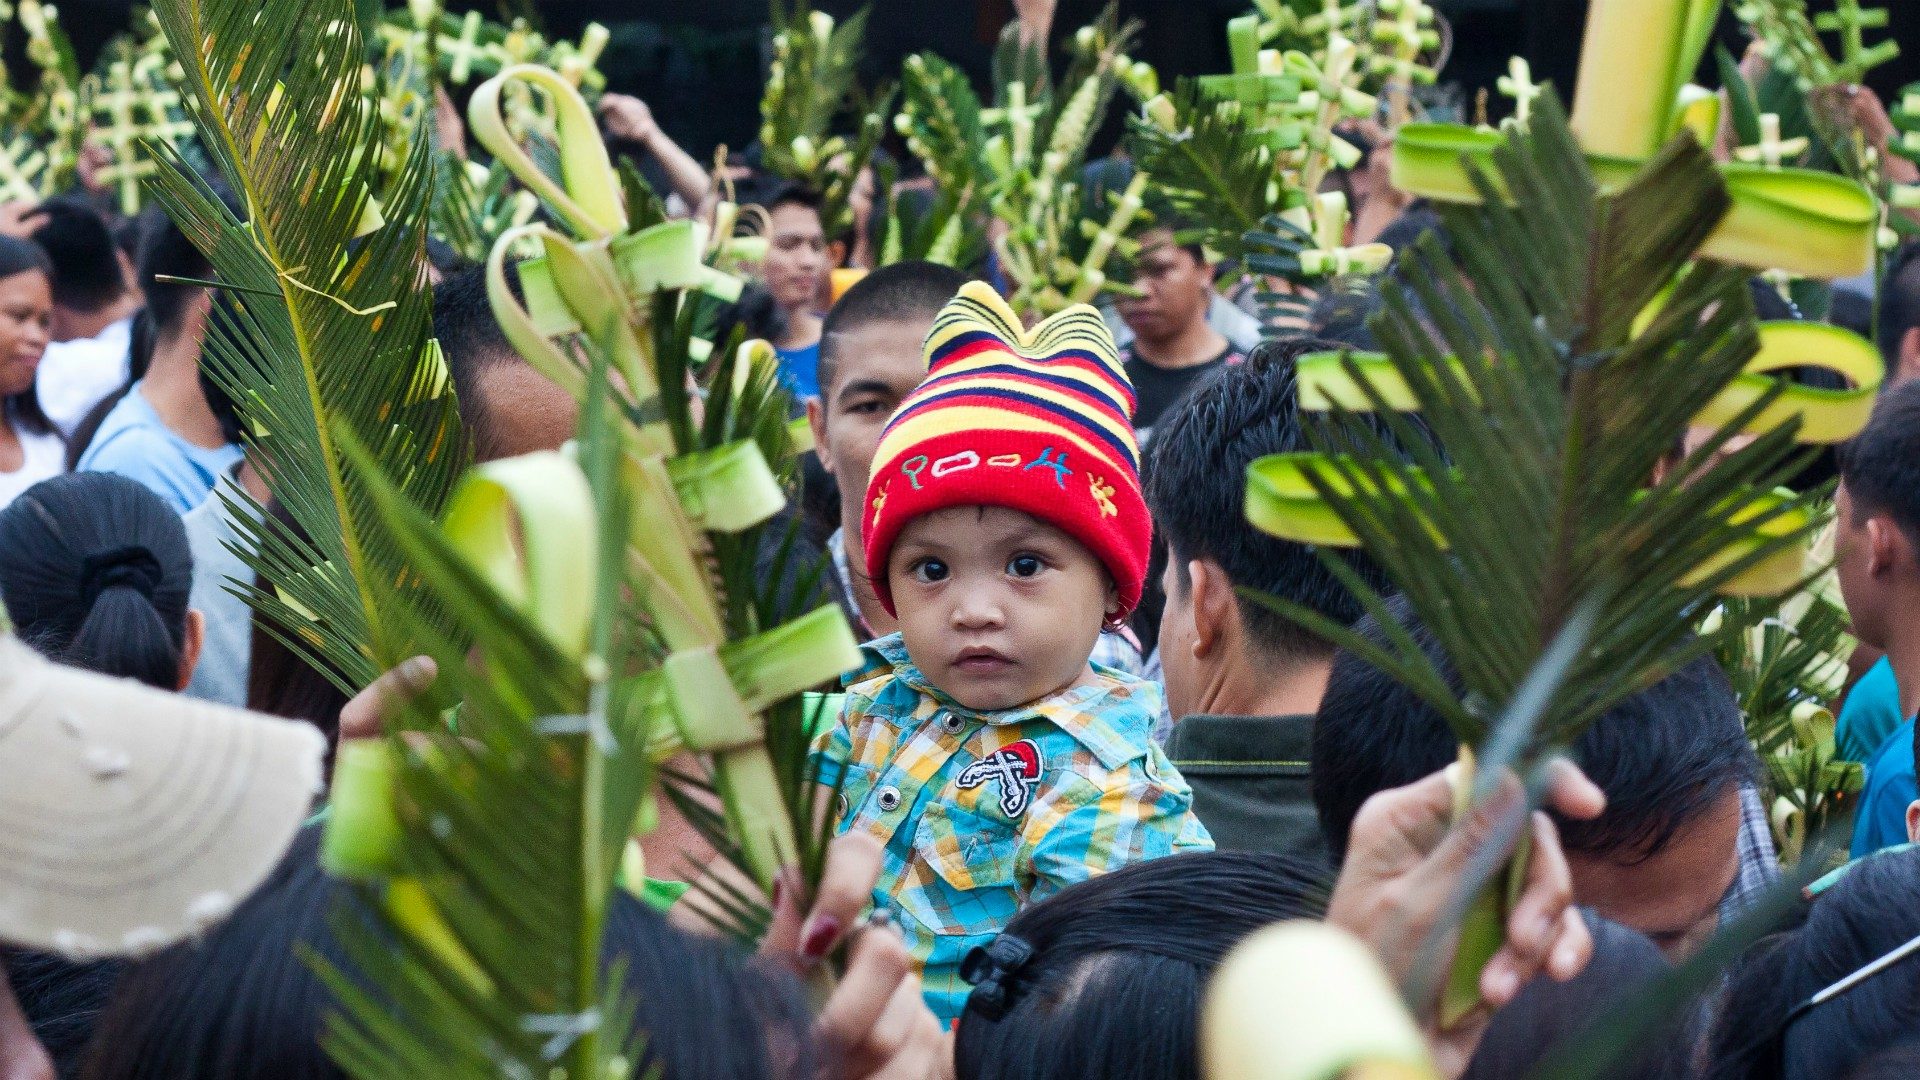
(1214, 162)
(322, 326)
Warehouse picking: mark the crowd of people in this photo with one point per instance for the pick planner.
(1082, 762)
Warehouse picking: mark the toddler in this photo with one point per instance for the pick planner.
(1004, 528)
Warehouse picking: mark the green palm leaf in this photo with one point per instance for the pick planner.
(320, 329)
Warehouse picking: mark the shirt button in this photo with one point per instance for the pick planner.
(889, 799)
(952, 724)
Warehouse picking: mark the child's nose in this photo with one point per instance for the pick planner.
(977, 610)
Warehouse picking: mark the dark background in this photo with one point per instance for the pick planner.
(699, 62)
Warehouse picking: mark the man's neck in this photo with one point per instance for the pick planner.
(1192, 347)
(803, 327)
(76, 326)
(172, 386)
(1903, 652)
(864, 597)
(1246, 683)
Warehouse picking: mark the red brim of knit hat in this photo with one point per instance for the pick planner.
(1031, 472)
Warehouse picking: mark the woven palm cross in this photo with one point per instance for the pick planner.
(22, 164)
(136, 107)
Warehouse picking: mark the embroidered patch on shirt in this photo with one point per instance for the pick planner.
(1016, 766)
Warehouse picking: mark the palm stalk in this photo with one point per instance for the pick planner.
(321, 326)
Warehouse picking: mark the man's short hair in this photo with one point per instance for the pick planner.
(1196, 487)
(1665, 756)
(1881, 465)
(1899, 300)
(86, 261)
(472, 343)
(909, 290)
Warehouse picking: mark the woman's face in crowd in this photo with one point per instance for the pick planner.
(26, 310)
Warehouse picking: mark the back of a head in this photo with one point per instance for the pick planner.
(914, 290)
(1899, 301)
(244, 1002)
(95, 572)
(1196, 484)
(80, 244)
(1118, 966)
(1663, 756)
(1547, 1014)
(1860, 919)
(472, 342)
(1881, 466)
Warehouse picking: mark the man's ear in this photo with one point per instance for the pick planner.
(1885, 544)
(1907, 362)
(1215, 608)
(817, 423)
(193, 637)
(1913, 822)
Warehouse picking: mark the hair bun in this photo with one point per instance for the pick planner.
(122, 568)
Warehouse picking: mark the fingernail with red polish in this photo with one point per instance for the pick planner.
(818, 936)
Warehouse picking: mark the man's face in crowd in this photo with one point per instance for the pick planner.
(1175, 288)
(1672, 896)
(1854, 564)
(873, 367)
(525, 411)
(796, 262)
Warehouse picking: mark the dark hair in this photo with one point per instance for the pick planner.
(1900, 1063)
(472, 343)
(1881, 465)
(95, 572)
(61, 1000)
(1899, 300)
(23, 410)
(909, 290)
(1196, 485)
(792, 194)
(165, 252)
(244, 1002)
(1863, 917)
(1105, 978)
(1665, 756)
(1547, 1014)
(86, 261)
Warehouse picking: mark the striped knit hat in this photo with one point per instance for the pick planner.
(1039, 421)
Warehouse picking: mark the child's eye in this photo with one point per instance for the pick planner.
(1024, 566)
(929, 571)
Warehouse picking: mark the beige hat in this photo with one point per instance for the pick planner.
(129, 817)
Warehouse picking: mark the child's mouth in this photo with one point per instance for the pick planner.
(981, 662)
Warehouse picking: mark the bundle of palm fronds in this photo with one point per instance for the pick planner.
(132, 101)
(1061, 240)
(812, 95)
(1571, 321)
(727, 650)
(1788, 670)
(1789, 35)
(42, 120)
(321, 323)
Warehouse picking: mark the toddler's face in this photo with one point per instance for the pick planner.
(997, 607)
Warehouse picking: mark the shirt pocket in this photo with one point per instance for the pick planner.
(963, 879)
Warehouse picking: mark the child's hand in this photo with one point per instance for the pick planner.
(876, 1024)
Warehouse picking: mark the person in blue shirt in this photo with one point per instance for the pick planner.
(1877, 559)
(795, 271)
(1871, 712)
(171, 429)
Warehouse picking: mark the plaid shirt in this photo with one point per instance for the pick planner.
(984, 813)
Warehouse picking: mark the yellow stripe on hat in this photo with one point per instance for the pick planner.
(1053, 395)
(977, 307)
(904, 438)
(1104, 388)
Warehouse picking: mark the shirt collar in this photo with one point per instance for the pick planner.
(1113, 718)
(1242, 739)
